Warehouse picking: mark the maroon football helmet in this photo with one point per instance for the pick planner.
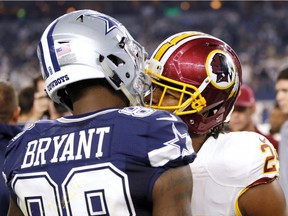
(207, 73)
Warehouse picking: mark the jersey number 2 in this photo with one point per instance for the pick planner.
(271, 159)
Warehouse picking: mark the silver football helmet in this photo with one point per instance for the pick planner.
(86, 44)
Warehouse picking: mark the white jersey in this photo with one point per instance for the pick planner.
(226, 167)
(283, 152)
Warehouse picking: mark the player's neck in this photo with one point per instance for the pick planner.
(97, 99)
(250, 127)
(197, 142)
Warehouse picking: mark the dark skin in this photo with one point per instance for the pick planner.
(176, 189)
(261, 200)
(265, 199)
(14, 209)
(172, 190)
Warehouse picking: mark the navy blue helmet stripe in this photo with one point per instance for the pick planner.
(43, 61)
(50, 41)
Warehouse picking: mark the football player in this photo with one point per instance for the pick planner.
(281, 88)
(108, 158)
(198, 77)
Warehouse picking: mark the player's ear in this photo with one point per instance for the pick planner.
(15, 115)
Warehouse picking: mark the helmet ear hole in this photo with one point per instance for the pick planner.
(116, 60)
(65, 99)
(214, 110)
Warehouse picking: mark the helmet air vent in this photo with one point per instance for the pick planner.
(122, 42)
(80, 18)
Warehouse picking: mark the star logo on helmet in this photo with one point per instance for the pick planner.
(110, 23)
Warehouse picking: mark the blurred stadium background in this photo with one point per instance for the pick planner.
(257, 30)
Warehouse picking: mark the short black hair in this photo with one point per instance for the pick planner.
(8, 101)
(26, 99)
(283, 74)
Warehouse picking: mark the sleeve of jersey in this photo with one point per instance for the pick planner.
(266, 163)
(15, 147)
(11, 162)
(169, 143)
(249, 159)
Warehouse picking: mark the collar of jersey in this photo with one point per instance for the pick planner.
(82, 117)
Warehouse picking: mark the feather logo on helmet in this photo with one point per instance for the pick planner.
(221, 69)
